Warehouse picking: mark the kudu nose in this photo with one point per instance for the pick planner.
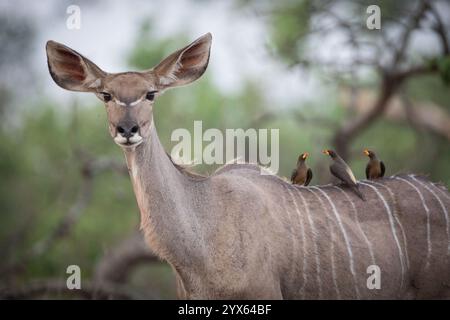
(127, 128)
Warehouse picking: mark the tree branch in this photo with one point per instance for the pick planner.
(89, 169)
(116, 266)
(422, 116)
(392, 78)
(292, 114)
(412, 25)
(440, 30)
(55, 287)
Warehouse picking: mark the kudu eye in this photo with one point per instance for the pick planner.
(150, 95)
(106, 96)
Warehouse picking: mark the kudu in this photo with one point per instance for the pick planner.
(241, 234)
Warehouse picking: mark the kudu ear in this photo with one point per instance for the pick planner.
(70, 70)
(185, 65)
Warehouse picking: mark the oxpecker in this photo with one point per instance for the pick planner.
(342, 171)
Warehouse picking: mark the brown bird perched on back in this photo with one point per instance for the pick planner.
(302, 174)
(342, 171)
(375, 168)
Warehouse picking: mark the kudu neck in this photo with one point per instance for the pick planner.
(149, 160)
(163, 196)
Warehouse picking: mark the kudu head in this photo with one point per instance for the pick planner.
(128, 96)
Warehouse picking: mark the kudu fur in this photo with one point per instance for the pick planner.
(240, 234)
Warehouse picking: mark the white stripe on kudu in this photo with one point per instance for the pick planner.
(332, 236)
(369, 244)
(441, 191)
(392, 195)
(392, 224)
(427, 211)
(444, 210)
(316, 250)
(302, 230)
(346, 239)
(286, 208)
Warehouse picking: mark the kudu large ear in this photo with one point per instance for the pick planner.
(185, 65)
(70, 70)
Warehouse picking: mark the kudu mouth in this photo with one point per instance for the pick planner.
(126, 137)
(129, 133)
(133, 141)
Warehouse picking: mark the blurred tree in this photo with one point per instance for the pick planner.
(16, 36)
(384, 61)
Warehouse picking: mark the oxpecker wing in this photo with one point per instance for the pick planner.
(367, 171)
(375, 168)
(383, 168)
(302, 174)
(293, 175)
(309, 176)
(342, 171)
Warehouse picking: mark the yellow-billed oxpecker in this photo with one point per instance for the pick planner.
(342, 171)
(375, 168)
(302, 174)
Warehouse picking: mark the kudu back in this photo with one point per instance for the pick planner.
(241, 234)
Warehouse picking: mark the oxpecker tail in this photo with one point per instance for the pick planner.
(358, 192)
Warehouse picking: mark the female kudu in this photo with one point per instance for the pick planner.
(241, 234)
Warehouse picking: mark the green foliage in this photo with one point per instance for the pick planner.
(39, 165)
(429, 88)
(443, 64)
(290, 23)
(402, 147)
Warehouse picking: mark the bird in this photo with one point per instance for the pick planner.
(342, 171)
(375, 168)
(302, 174)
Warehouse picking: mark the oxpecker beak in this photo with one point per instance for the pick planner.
(366, 152)
(305, 155)
(327, 152)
